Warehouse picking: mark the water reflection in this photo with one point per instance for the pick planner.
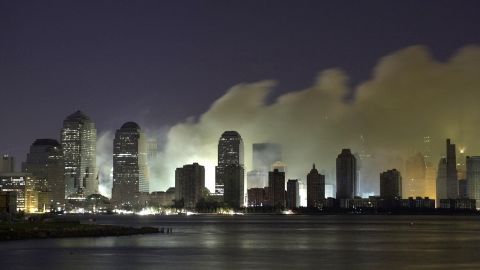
(263, 242)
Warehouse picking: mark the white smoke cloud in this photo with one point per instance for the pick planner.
(410, 95)
(104, 162)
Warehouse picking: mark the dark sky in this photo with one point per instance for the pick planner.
(158, 62)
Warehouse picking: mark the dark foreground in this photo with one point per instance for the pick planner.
(263, 243)
(22, 231)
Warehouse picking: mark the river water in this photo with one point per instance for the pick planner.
(263, 242)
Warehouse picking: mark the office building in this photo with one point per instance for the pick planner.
(234, 188)
(276, 181)
(7, 164)
(78, 140)
(473, 178)
(452, 182)
(315, 188)
(230, 152)
(390, 184)
(441, 180)
(346, 175)
(189, 184)
(293, 194)
(46, 165)
(130, 173)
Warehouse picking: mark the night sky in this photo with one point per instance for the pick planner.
(159, 62)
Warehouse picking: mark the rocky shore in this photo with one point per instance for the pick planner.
(20, 231)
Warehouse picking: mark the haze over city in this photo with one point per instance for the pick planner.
(313, 83)
(257, 134)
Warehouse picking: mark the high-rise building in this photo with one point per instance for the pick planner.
(473, 178)
(346, 175)
(78, 139)
(230, 152)
(452, 182)
(7, 164)
(462, 189)
(189, 184)
(234, 189)
(276, 181)
(21, 184)
(390, 184)
(414, 183)
(130, 174)
(293, 194)
(45, 163)
(315, 188)
(441, 180)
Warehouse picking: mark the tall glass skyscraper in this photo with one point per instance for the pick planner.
(230, 153)
(79, 139)
(130, 173)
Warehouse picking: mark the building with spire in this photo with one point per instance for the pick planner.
(78, 140)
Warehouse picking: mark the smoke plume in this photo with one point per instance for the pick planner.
(409, 95)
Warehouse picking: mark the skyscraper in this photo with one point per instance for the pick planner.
(276, 181)
(234, 190)
(130, 174)
(473, 178)
(78, 139)
(390, 184)
(45, 163)
(230, 152)
(452, 182)
(315, 188)
(442, 180)
(293, 194)
(346, 175)
(189, 183)
(7, 164)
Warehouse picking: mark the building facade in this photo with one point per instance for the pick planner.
(230, 152)
(46, 164)
(346, 175)
(189, 184)
(390, 184)
(315, 188)
(130, 173)
(234, 189)
(473, 178)
(78, 139)
(276, 181)
(7, 164)
(452, 181)
(293, 194)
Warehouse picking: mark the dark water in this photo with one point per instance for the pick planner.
(263, 242)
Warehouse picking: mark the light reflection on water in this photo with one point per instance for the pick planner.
(263, 242)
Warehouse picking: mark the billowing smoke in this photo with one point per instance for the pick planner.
(104, 162)
(410, 95)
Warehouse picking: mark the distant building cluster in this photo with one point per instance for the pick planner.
(62, 174)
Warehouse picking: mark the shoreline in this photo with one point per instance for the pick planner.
(28, 231)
